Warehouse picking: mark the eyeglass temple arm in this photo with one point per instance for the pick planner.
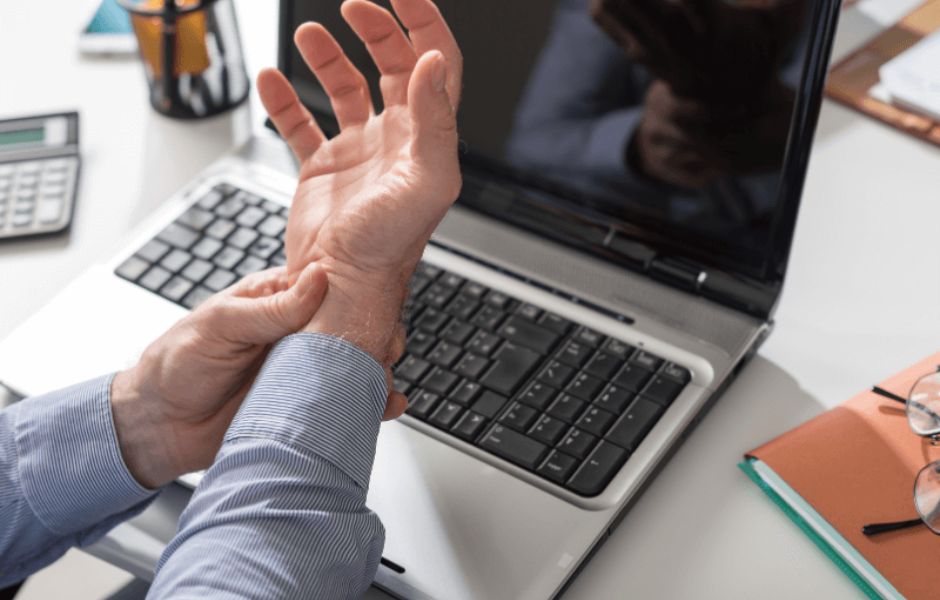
(878, 528)
(892, 396)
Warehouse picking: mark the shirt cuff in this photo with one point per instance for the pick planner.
(321, 394)
(71, 468)
(607, 143)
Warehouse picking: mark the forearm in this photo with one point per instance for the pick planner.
(63, 482)
(281, 513)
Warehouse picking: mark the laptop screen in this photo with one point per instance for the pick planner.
(628, 128)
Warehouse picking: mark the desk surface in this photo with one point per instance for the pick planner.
(862, 298)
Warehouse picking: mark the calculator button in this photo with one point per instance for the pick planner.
(29, 167)
(22, 220)
(50, 211)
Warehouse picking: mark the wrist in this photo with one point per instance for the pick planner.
(141, 433)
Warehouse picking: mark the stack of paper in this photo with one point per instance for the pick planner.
(912, 79)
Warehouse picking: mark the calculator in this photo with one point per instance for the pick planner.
(39, 165)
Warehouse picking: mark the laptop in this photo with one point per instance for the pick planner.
(614, 259)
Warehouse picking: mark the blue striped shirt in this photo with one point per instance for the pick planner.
(280, 514)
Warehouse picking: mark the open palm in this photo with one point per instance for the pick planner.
(369, 198)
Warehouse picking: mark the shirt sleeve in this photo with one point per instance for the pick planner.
(63, 482)
(281, 513)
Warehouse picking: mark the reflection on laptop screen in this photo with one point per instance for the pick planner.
(648, 115)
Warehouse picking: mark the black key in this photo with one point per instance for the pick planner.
(557, 467)
(528, 311)
(410, 312)
(457, 332)
(437, 296)
(444, 354)
(618, 349)
(513, 365)
(519, 416)
(196, 297)
(597, 471)
(596, 421)
(463, 307)
(517, 329)
(575, 353)
(251, 216)
(242, 238)
(474, 290)
(498, 300)
(589, 337)
(197, 270)
(662, 390)
(228, 257)
(439, 381)
(401, 386)
(603, 365)
(428, 270)
(451, 280)
(566, 407)
(489, 404)
(211, 199)
(155, 278)
(633, 426)
(412, 369)
(483, 343)
(557, 324)
(446, 415)
(538, 395)
(614, 398)
(585, 386)
(176, 289)
(677, 373)
(577, 443)
(488, 317)
(219, 280)
(175, 261)
(153, 251)
(132, 268)
(513, 446)
(548, 429)
(264, 247)
(469, 426)
(420, 343)
(207, 248)
(646, 360)
(179, 236)
(229, 208)
(274, 226)
(251, 264)
(221, 229)
(632, 377)
(418, 284)
(196, 218)
(472, 366)
(432, 320)
(422, 404)
(466, 392)
(556, 374)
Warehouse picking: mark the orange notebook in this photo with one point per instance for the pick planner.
(852, 466)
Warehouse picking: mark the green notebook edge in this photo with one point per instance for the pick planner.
(747, 467)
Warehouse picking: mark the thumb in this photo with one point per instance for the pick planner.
(269, 318)
(433, 118)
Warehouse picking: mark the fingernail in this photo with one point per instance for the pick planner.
(439, 74)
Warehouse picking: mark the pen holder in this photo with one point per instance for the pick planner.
(192, 55)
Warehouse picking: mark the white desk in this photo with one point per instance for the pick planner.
(862, 298)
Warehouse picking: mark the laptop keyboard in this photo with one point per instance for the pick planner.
(531, 387)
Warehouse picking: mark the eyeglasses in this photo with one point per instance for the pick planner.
(923, 415)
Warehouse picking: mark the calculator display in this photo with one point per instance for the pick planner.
(22, 136)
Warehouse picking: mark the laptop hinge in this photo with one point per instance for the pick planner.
(678, 273)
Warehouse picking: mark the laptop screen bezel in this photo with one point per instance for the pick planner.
(752, 290)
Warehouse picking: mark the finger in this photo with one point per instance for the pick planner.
(395, 407)
(342, 81)
(292, 120)
(261, 283)
(429, 31)
(387, 45)
(434, 123)
(397, 349)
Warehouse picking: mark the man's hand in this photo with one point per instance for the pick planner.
(172, 409)
(369, 199)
